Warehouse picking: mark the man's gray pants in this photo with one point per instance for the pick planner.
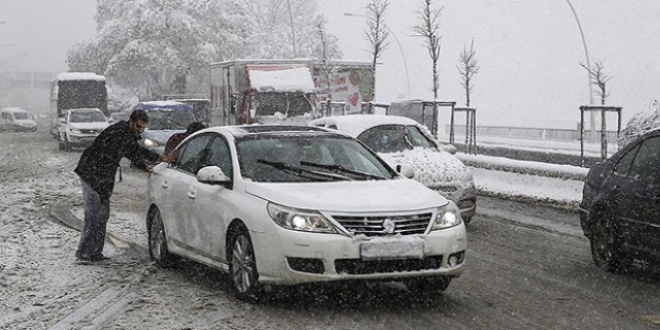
(97, 212)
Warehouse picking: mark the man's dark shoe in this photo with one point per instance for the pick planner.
(82, 259)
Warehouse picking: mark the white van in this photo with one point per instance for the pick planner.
(16, 119)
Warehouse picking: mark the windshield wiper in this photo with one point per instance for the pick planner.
(341, 169)
(301, 171)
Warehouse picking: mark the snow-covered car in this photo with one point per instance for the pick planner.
(640, 124)
(79, 127)
(17, 120)
(403, 141)
(284, 205)
(165, 119)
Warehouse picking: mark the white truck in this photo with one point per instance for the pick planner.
(285, 91)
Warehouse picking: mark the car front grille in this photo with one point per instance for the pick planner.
(359, 266)
(383, 225)
(90, 131)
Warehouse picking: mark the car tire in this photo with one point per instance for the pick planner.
(67, 144)
(243, 275)
(60, 144)
(467, 220)
(606, 247)
(428, 285)
(158, 250)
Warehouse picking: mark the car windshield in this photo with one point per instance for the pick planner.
(160, 119)
(270, 158)
(21, 115)
(87, 117)
(395, 138)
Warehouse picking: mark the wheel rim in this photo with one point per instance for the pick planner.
(242, 264)
(157, 236)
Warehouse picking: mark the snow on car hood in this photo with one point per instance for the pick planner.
(160, 136)
(98, 125)
(349, 196)
(25, 122)
(432, 168)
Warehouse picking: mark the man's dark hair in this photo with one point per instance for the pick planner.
(194, 127)
(139, 115)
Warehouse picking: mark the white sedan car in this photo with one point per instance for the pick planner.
(403, 141)
(283, 205)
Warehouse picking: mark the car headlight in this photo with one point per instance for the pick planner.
(448, 216)
(301, 220)
(150, 144)
(75, 131)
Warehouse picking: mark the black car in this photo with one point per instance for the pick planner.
(620, 209)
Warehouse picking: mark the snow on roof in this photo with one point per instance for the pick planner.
(169, 104)
(79, 76)
(286, 80)
(356, 124)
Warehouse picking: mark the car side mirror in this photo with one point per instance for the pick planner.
(406, 171)
(212, 175)
(62, 120)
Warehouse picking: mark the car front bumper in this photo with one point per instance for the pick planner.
(292, 257)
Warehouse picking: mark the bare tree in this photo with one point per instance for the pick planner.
(599, 79)
(376, 34)
(468, 66)
(326, 67)
(428, 29)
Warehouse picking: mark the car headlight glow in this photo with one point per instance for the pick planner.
(301, 220)
(149, 143)
(448, 216)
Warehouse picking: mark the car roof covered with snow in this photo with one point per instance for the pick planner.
(163, 105)
(241, 131)
(354, 125)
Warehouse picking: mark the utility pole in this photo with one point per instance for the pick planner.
(293, 30)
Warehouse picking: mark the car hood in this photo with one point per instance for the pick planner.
(100, 126)
(349, 196)
(432, 168)
(27, 122)
(160, 136)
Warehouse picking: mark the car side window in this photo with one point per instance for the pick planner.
(218, 154)
(385, 138)
(623, 166)
(647, 161)
(190, 158)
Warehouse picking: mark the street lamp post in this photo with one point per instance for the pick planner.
(586, 54)
(403, 55)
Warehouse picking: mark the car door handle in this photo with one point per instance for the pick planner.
(191, 195)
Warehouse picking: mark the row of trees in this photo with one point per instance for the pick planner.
(148, 45)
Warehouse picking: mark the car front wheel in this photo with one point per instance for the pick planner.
(243, 276)
(67, 145)
(606, 249)
(158, 241)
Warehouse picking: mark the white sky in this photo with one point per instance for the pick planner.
(529, 51)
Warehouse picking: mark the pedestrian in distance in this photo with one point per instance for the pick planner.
(97, 168)
(176, 138)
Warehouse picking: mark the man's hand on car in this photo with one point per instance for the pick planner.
(169, 157)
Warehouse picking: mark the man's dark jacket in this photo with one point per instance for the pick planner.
(98, 163)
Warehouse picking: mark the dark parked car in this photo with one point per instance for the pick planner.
(620, 209)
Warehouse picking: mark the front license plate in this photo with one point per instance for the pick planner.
(392, 249)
